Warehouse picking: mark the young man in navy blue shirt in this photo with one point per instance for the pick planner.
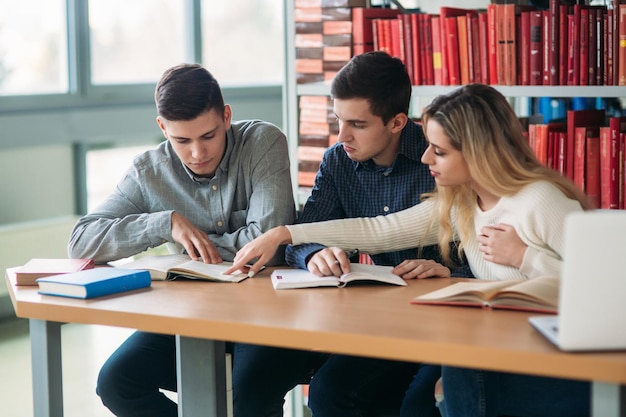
(375, 169)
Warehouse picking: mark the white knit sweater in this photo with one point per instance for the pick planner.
(537, 212)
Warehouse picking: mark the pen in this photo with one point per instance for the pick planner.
(351, 253)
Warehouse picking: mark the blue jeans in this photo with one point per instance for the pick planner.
(469, 392)
(129, 381)
(350, 386)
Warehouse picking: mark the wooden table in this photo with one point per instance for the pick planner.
(375, 321)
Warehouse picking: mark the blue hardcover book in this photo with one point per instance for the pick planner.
(94, 282)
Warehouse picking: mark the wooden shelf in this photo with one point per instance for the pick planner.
(323, 89)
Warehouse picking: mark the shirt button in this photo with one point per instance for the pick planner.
(220, 223)
(386, 209)
(214, 187)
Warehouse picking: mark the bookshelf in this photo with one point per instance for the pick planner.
(292, 91)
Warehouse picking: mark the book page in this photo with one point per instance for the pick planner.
(300, 278)
(477, 291)
(199, 270)
(540, 291)
(157, 265)
(365, 272)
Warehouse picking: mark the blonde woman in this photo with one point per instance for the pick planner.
(492, 194)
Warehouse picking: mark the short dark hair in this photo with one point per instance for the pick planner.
(378, 77)
(186, 91)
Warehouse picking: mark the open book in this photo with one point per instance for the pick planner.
(300, 278)
(538, 294)
(169, 267)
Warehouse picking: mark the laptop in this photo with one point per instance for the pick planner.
(592, 296)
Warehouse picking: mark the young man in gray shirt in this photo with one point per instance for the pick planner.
(212, 186)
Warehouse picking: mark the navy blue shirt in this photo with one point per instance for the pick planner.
(345, 189)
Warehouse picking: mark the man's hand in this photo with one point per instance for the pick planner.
(502, 245)
(421, 268)
(329, 261)
(262, 249)
(195, 241)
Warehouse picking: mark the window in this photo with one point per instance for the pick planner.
(135, 41)
(243, 41)
(33, 47)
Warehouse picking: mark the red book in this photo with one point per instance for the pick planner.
(473, 47)
(493, 44)
(621, 54)
(540, 142)
(583, 75)
(608, 49)
(553, 42)
(592, 170)
(452, 51)
(563, 44)
(427, 54)
(610, 151)
(483, 36)
(397, 41)
(506, 51)
(524, 49)
(577, 118)
(416, 39)
(575, 42)
(591, 45)
(445, 13)
(599, 46)
(362, 30)
(536, 50)
(463, 56)
(581, 137)
(435, 23)
(407, 39)
(545, 48)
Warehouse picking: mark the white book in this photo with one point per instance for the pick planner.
(300, 278)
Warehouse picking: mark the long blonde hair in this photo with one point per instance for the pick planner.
(481, 124)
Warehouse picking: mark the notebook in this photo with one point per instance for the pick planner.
(593, 285)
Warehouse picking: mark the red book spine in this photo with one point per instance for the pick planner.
(545, 48)
(536, 51)
(429, 51)
(591, 44)
(617, 126)
(621, 65)
(483, 34)
(592, 171)
(575, 42)
(563, 44)
(435, 22)
(493, 43)
(580, 139)
(553, 11)
(524, 53)
(605, 170)
(599, 48)
(397, 40)
(415, 49)
(583, 74)
(463, 47)
(510, 66)
(576, 118)
(609, 52)
(452, 51)
(407, 40)
(473, 47)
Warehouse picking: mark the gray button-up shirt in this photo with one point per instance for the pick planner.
(249, 194)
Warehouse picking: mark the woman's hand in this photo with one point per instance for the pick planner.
(502, 245)
(421, 268)
(262, 249)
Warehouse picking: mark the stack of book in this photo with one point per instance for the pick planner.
(323, 38)
(318, 129)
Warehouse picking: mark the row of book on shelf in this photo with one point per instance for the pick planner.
(504, 44)
(588, 146)
(590, 149)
